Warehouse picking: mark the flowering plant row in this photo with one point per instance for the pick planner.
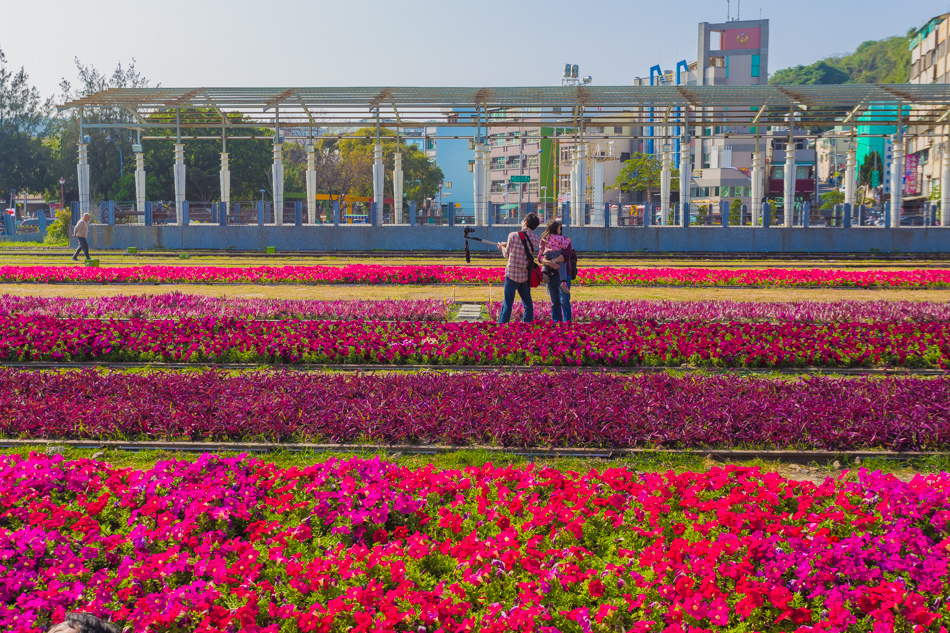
(222, 340)
(239, 545)
(428, 274)
(649, 410)
(176, 305)
(776, 312)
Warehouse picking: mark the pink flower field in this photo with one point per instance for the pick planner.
(433, 274)
(227, 545)
(225, 340)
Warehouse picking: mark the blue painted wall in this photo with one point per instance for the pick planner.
(444, 238)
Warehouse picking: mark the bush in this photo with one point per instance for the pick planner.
(57, 233)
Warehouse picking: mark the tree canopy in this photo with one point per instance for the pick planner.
(24, 133)
(874, 61)
(421, 177)
(642, 173)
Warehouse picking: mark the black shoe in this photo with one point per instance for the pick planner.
(75, 259)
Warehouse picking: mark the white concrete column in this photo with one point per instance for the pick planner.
(179, 173)
(277, 176)
(579, 185)
(666, 177)
(311, 185)
(756, 188)
(897, 182)
(789, 186)
(686, 174)
(479, 182)
(378, 177)
(140, 183)
(486, 183)
(597, 212)
(397, 187)
(83, 173)
(225, 180)
(850, 177)
(945, 187)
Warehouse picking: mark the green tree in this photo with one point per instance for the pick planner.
(872, 162)
(643, 173)
(820, 72)
(735, 212)
(250, 159)
(103, 152)
(830, 199)
(24, 126)
(421, 177)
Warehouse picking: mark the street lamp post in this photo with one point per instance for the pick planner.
(121, 173)
(62, 196)
(544, 198)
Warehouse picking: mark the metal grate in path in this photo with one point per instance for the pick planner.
(469, 312)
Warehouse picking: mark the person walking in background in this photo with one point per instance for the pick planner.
(81, 232)
(520, 250)
(556, 251)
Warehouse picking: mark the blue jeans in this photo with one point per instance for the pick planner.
(560, 302)
(524, 290)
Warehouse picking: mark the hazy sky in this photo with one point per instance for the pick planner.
(416, 42)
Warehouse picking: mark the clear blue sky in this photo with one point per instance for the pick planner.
(416, 42)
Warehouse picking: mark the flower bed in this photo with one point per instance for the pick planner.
(564, 409)
(238, 545)
(177, 305)
(740, 311)
(430, 274)
(221, 340)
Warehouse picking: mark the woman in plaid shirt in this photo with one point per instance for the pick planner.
(516, 272)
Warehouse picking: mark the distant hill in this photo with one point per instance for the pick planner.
(884, 61)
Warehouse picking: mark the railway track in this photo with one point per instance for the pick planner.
(723, 455)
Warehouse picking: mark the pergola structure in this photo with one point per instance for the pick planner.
(181, 114)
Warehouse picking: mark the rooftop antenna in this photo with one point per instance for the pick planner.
(738, 9)
(727, 10)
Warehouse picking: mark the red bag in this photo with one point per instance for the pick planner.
(534, 271)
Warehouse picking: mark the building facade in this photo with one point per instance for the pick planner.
(925, 149)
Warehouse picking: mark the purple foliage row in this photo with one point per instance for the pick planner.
(559, 409)
(733, 311)
(178, 305)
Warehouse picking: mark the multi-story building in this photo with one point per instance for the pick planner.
(922, 162)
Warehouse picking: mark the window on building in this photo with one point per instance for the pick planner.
(618, 129)
(778, 172)
(756, 63)
(803, 172)
(564, 182)
(624, 157)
